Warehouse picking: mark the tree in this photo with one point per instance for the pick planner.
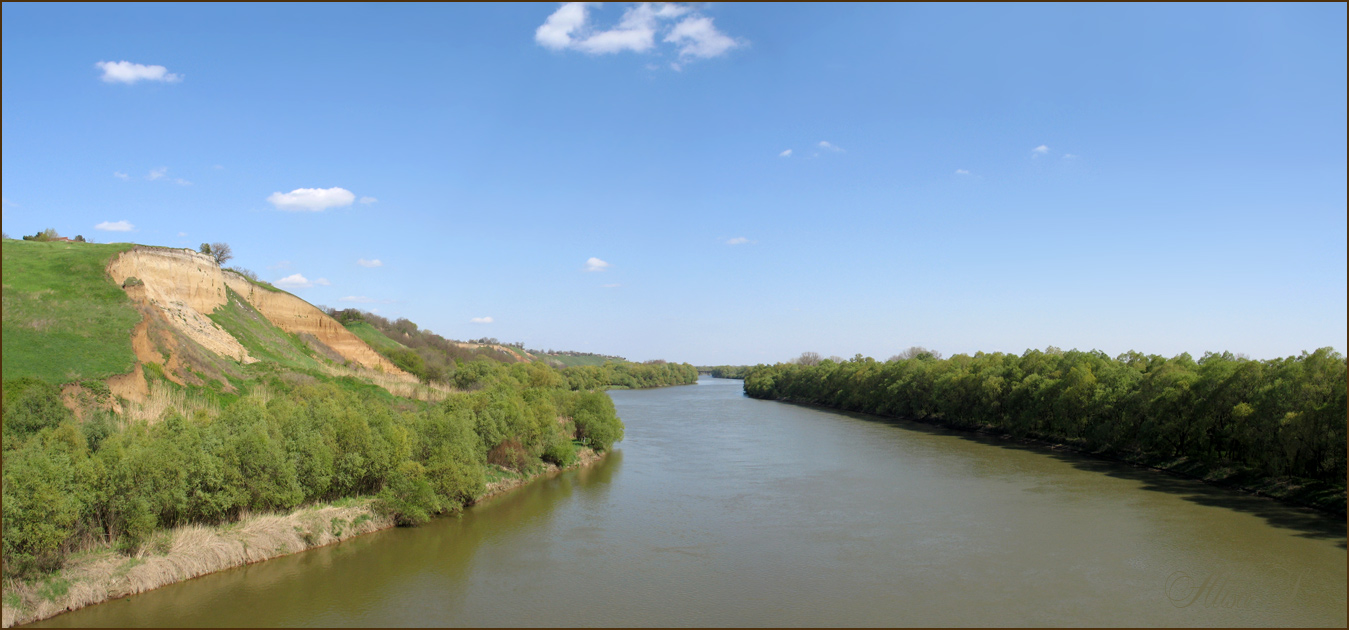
(808, 358)
(915, 352)
(221, 252)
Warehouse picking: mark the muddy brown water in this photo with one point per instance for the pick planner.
(722, 510)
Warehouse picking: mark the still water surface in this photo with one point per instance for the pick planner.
(722, 510)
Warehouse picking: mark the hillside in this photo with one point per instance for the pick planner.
(148, 393)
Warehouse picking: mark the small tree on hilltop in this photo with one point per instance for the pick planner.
(219, 251)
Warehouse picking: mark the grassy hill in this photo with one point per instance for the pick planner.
(64, 319)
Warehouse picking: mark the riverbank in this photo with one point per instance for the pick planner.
(1305, 493)
(192, 551)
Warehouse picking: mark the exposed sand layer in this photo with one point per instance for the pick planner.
(185, 286)
(297, 316)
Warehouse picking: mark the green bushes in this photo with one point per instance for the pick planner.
(1281, 417)
(630, 375)
(313, 441)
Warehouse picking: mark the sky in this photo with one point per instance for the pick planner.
(717, 184)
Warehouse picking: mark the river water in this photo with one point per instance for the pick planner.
(722, 510)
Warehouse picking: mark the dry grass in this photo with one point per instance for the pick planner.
(163, 398)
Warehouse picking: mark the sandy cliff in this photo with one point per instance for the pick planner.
(297, 316)
(185, 286)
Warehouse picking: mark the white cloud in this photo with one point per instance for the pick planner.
(120, 175)
(182, 182)
(481, 320)
(323, 282)
(568, 29)
(787, 153)
(961, 171)
(369, 263)
(127, 72)
(611, 286)
(595, 264)
(368, 200)
(115, 226)
(824, 144)
(1040, 150)
(697, 37)
(311, 199)
(182, 234)
(555, 33)
(157, 173)
(294, 281)
(1069, 156)
(739, 240)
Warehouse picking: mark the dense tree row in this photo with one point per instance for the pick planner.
(1278, 417)
(725, 371)
(613, 375)
(69, 484)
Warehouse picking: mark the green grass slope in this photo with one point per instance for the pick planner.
(64, 319)
(573, 361)
(261, 337)
(374, 338)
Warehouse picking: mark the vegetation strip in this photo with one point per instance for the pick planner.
(192, 551)
(1276, 427)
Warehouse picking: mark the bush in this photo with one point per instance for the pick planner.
(597, 424)
(509, 454)
(31, 405)
(408, 497)
(560, 451)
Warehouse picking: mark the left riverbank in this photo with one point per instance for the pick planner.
(192, 551)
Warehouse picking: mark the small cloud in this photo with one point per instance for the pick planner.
(824, 144)
(323, 282)
(787, 153)
(182, 182)
(311, 199)
(182, 234)
(697, 37)
(294, 281)
(359, 299)
(369, 263)
(739, 240)
(127, 72)
(481, 320)
(120, 175)
(157, 173)
(611, 286)
(961, 171)
(368, 200)
(595, 264)
(115, 226)
(1040, 150)
(1069, 156)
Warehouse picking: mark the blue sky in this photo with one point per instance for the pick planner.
(1160, 178)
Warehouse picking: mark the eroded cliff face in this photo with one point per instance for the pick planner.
(185, 286)
(297, 316)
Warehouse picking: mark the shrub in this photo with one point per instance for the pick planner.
(509, 454)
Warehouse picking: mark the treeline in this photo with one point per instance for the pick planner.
(70, 485)
(1279, 417)
(614, 375)
(725, 371)
(428, 356)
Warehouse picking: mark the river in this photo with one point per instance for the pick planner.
(718, 509)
